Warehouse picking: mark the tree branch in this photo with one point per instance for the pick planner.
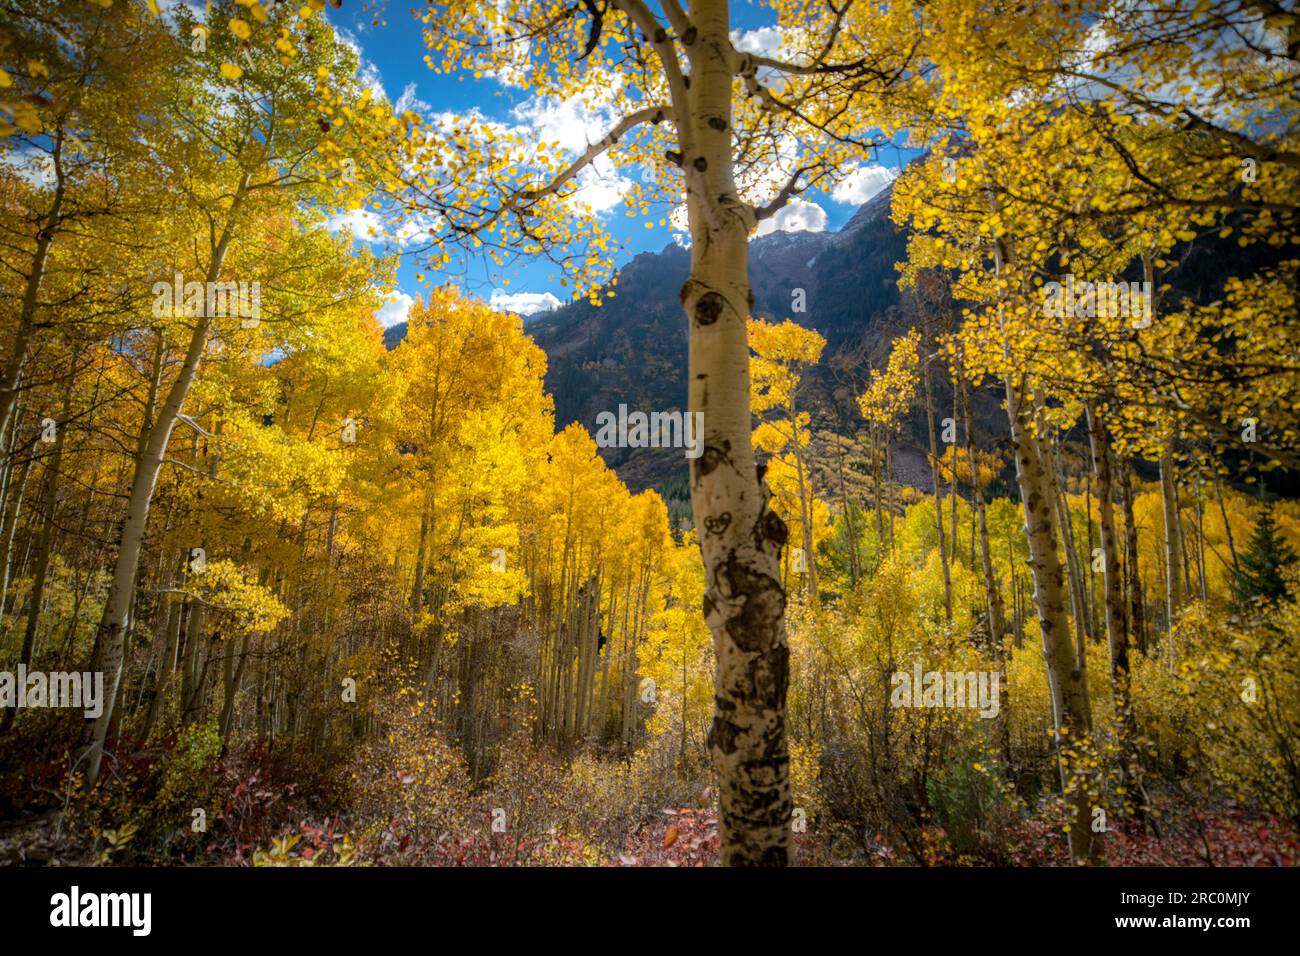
(650, 114)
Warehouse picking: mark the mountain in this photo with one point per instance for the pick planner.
(632, 349)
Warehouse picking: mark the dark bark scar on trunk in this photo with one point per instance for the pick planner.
(756, 624)
(709, 308)
(712, 457)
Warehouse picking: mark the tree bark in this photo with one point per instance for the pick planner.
(849, 530)
(49, 224)
(993, 593)
(805, 513)
(740, 536)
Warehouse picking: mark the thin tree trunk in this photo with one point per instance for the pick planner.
(855, 568)
(417, 590)
(1069, 697)
(231, 678)
(1227, 525)
(49, 505)
(8, 534)
(1072, 718)
(112, 628)
(1137, 600)
(992, 591)
(1174, 594)
(167, 668)
(1116, 632)
(952, 488)
(938, 498)
(805, 515)
(48, 229)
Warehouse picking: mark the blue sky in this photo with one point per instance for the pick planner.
(392, 52)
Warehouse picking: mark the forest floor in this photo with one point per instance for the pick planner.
(688, 837)
(287, 810)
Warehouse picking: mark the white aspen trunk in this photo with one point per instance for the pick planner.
(1069, 699)
(740, 537)
(417, 589)
(49, 504)
(1116, 631)
(878, 482)
(1174, 594)
(165, 671)
(1200, 538)
(850, 531)
(993, 594)
(9, 527)
(1136, 599)
(112, 627)
(952, 488)
(1071, 717)
(1074, 583)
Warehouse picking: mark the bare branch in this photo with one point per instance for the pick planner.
(788, 192)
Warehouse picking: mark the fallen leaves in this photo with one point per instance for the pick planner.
(683, 837)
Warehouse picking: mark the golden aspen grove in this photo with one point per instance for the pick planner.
(644, 433)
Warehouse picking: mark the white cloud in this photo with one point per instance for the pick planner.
(601, 187)
(863, 183)
(396, 308)
(369, 76)
(409, 100)
(798, 215)
(523, 303)
(765, 41)
(362, 223)
(367, 226)
(30, 164)
(762, 181)
(574, 122)
(680, 223)
(418, 229)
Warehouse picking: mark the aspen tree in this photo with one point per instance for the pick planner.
(680, 89)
